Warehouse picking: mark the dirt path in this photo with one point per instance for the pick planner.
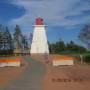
(40, 75)
(31, 78)
(75, 77)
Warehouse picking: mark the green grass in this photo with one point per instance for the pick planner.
(29, 59)
(78, 53)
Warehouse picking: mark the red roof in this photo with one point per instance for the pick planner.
(39, 21)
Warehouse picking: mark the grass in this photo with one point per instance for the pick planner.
(78, 54)
(85, 56)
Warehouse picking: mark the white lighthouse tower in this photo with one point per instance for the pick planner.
(39, 43)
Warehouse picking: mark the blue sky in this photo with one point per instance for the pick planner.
(64, 18)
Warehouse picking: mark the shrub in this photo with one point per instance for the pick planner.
(87, 59)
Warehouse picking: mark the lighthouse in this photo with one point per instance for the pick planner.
(39, 41)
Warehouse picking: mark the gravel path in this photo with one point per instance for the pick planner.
(31, 79)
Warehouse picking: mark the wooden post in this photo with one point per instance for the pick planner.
(81, 58)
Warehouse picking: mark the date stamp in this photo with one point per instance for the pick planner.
(67, 80)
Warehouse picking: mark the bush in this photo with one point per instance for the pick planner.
(6, 52)
(87, 59)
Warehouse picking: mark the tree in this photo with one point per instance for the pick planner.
(61, 47)
(84, 35)
(74, 47)
(17, 37)
(57, 46)
(17, 31)
(25, 43)
(20, 41)
(9, 39)
(5, 41)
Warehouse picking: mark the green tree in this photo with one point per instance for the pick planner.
(17, 31)
(84, 35)
(5, 41)
(25, 43)
(20, 41)
(1, 38)
(57, 46)
(9, 39)
(71, 46)
(74, 47)
(17, 37)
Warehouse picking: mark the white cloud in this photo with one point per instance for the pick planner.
(53, 11)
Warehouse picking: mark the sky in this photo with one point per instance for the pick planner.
(63, 18)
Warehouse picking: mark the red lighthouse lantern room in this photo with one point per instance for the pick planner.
(39, 21)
